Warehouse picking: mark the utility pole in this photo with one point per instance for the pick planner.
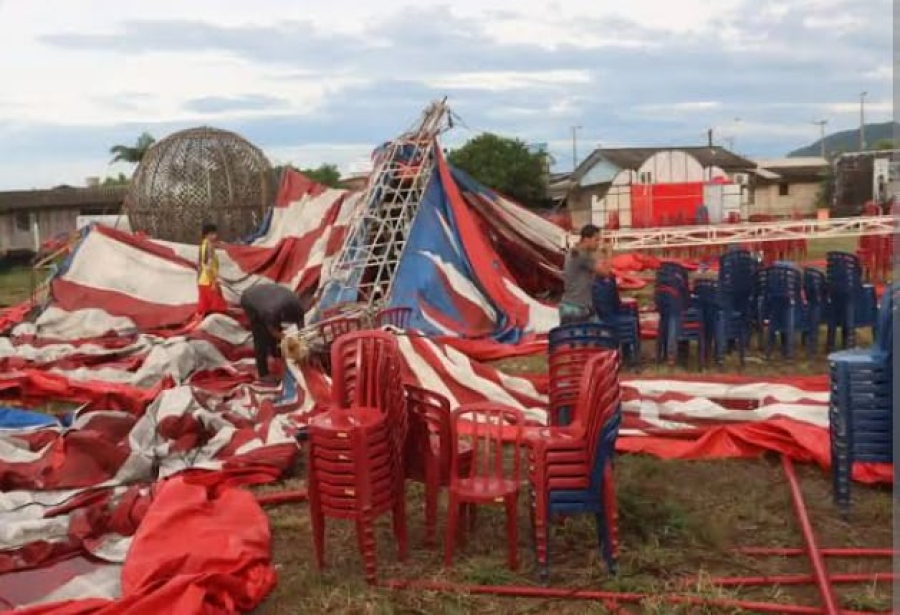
(821, 125)
(862, 121)
(709, 137)
(575, 129)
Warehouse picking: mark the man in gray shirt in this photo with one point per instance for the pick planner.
(581, 266)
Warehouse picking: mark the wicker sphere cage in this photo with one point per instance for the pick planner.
(199, 176)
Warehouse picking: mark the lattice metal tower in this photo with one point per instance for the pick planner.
(363, 273)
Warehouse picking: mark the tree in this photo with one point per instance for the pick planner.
(326, 174)
(883, 144)
(116, 181)
(506, 165)
(132, 154)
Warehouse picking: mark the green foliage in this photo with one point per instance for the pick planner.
(326, 174)
(506, 165)
(883, 144)
(132, 154)
(119, 180)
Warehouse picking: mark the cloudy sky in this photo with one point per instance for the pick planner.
(326, 81)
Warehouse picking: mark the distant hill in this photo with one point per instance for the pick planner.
(848, 140)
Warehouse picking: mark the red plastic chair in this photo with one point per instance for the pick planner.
(395, 317)
(489, 480)
(428, 449)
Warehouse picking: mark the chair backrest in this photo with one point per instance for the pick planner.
(333, 328)
(604, 397)
(367, 370)
(490, 426)
(844, 274)
(884, 326)
(567, 369)
(782, 283)
(398, 317)
(583, 334)
(815, 286)
(605, 296)
(429, 415)
(736, 269)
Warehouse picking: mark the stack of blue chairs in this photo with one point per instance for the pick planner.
(735, 287)
(680, 317)
(851, 304)
(861, 408)
(782, 307)
(815, 309)
(624, 319)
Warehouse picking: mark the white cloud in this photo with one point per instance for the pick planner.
(641, 71)
(510, 80)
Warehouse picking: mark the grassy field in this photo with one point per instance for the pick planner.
(16, 284)
(678, 521)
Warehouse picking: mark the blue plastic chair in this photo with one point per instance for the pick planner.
(623, 318)
(723, 325)
(861, 408)
(815, 308)
(782, 307)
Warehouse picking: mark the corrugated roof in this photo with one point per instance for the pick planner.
(633, 157)
(62, 197)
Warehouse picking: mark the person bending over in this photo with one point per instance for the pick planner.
(582, 263)
(269, 308)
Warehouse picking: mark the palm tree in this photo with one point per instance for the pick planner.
(132, 155)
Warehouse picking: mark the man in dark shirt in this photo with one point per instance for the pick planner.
(270, 307)
(579, 270)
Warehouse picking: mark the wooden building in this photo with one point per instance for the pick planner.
(28, 218)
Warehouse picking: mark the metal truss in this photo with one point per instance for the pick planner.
(747, 232)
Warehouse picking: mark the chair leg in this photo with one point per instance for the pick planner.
(450, 533)
(398, 520)
(431, 505)
(512, 529)
(365, 535)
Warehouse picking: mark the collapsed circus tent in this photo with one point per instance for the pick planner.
(473, 263)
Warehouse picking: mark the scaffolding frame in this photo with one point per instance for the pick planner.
(363, 272)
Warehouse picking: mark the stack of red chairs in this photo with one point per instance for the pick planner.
(356, 448)
(875, 252)
(564, 459)
(566, 367)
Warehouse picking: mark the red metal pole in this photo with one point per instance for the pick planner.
(848, 552)
(793, 579)
(815, 556)
(281, 497)
(559, 593)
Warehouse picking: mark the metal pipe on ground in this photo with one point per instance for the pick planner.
(525, 591)
(839, 552)
(792, 579)
(281, 497)
(829, 601)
